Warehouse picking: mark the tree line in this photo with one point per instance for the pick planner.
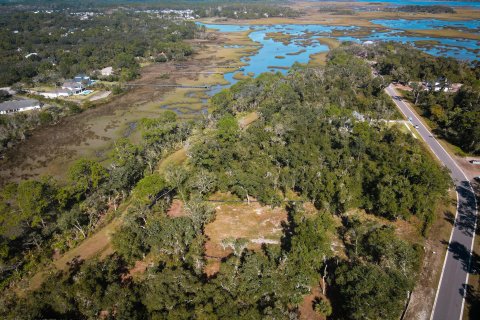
(452, 115)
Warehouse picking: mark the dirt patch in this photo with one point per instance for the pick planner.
(470, 170)
(254, 222)
(176, 209)
(306, 308)
(139, 268)
(100, 95)
(402, 87)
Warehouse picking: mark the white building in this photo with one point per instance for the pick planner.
(19, 106)
(55, 94)
(74, 87)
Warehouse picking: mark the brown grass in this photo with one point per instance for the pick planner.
(320, 59)
(445, 33)
(254, 222)
(50, 150)
(175, 158)
(248, 119)
(312, 15)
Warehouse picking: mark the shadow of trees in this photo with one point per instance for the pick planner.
(449, 217)
(465, 221)
(462, 253)
(472, 297)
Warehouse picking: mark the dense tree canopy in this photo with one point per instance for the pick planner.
(454, 115)
(63, 45)
(320, 139)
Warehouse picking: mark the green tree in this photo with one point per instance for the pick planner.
(86, 176)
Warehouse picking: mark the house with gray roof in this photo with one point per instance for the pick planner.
(74, 87)
(13, 106)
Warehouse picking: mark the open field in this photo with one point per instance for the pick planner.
(240, 220)
(99, 243)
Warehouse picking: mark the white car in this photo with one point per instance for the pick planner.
(475, 161)
(415, 126)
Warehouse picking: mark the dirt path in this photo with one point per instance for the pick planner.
(99, 243)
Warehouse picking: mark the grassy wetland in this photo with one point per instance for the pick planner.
(90, 134)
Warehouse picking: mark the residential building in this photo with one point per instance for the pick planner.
(55, 94)
(13, 106)
(83, 79)
(73, 86)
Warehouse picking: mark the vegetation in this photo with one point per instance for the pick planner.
(41, 216)
(424, 9)
(308, 141)
(49, 47)
(17, 127)
(246, 11)
(454, 114)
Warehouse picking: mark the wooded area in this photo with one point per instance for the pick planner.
(39, 48)
(454, 115)
(307, 142)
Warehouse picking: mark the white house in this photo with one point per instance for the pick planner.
(19, 106)
(74, 87)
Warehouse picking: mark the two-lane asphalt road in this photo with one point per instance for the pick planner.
(449, 300)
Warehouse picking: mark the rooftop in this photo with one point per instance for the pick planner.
(18, 104)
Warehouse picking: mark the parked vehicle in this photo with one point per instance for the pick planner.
(475, 161)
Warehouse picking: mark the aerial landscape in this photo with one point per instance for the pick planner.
(239, 159)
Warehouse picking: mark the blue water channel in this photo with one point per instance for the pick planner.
(474, 4)
(276, 56)
(428, 24)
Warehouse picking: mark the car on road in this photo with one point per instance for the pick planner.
(410, 119)
(415, 126)
(474, 161)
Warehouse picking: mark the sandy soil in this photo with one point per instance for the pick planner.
(176, 209)
(306, 308)
(256, 223)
